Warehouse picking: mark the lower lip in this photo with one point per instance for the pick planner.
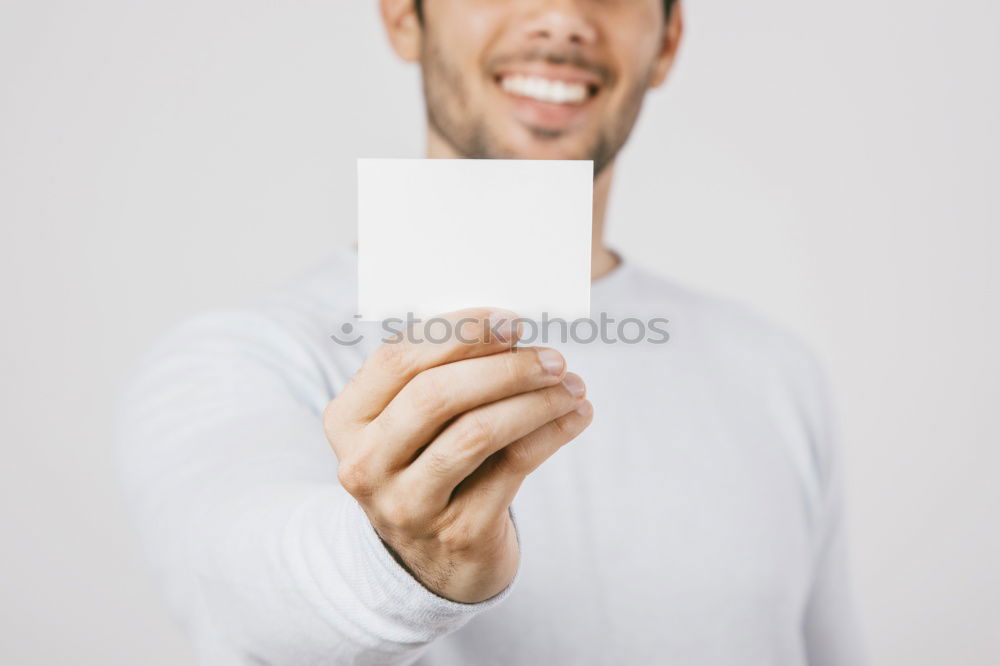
(547, 115)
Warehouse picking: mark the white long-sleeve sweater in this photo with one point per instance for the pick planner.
(697, 522)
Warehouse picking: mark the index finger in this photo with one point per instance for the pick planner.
(443, 339)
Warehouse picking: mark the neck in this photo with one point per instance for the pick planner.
(602, 260)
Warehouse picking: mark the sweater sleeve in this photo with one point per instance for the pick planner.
(259, 551)
(831, 626)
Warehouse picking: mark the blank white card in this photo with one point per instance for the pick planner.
(441, 235)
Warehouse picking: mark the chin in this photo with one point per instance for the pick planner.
(529, 146)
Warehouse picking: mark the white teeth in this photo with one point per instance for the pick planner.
(544, 90)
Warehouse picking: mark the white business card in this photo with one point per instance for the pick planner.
(438, 235)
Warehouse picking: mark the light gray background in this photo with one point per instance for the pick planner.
(834, 163)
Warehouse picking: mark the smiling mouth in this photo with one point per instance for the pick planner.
(543, 89)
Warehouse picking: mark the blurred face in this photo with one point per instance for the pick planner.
(540, 79)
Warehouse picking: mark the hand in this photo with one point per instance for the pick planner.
(435, 438)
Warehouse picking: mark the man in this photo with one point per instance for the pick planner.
(695, 519)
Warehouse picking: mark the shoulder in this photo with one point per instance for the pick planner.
(279, 339)
(729, 329)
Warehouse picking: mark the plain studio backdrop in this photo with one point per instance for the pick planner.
(835, 164)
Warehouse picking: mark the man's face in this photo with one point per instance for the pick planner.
(540, 79)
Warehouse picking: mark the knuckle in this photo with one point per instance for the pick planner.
(429, 396)
(518, 458)
(354, 478)
(474, 433)
(516, 366)
(394, 358)
(334, 423)
(549, 400)
(438, 464)
(561, 426)
(399, 513)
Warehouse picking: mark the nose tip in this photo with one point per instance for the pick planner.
(562, 25)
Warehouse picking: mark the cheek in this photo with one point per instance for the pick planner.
(470, 32)
(636, 58)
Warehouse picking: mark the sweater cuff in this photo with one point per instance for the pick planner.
(366, 593)
(422, 607)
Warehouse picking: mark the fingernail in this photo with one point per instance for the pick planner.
(504, 326)
(551, 360)
(574, 385)
(585, 408)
